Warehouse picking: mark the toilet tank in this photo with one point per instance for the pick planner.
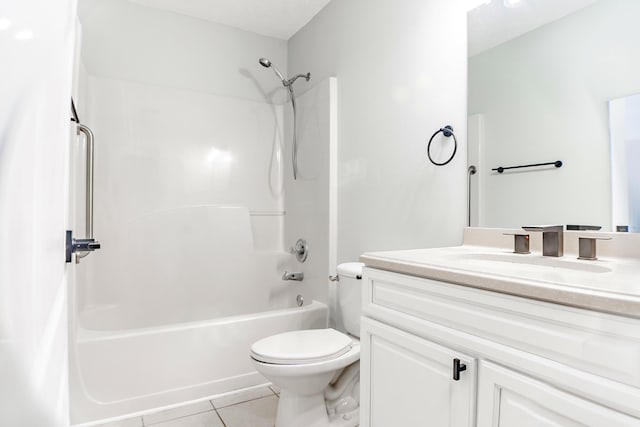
(350, 295)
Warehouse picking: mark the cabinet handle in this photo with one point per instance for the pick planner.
(457, 368)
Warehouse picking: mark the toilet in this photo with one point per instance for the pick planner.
(318, 370)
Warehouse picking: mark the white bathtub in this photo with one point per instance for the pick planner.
(115, 373)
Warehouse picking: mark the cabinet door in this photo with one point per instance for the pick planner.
(510, 399)
(408, 381)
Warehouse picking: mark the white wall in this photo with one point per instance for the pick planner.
(124, 40)
(35, 82)
(401, 69)
(544, 97)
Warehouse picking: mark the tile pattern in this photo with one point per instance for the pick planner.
(203, 419)
(249, 408)
(243, 396)
(255, 413)
(179, 412)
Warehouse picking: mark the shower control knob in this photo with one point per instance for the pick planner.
(301, 250)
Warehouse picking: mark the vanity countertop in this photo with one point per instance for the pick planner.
(610, 284)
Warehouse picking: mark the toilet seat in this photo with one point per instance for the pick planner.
(272, 369)
(302, 347)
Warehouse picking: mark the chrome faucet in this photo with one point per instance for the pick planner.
(293, 276)
(552, 239)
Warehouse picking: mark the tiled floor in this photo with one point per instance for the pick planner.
(251, 408)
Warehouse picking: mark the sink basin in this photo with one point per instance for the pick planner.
(609, 284)
(510, 260)
(486, 267)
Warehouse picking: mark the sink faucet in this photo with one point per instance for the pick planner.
(552, 239)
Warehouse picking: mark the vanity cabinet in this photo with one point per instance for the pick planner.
(412, 381)
(528, 363)
(507, 398)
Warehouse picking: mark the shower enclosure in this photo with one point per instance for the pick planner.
(195, 208)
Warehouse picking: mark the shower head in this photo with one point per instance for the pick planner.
(268, 64)
(265, 62)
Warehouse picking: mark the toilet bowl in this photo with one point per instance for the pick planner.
(317, 370)
(317, 356)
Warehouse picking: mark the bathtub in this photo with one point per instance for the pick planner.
(124, 372)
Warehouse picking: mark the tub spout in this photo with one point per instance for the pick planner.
(293, 276)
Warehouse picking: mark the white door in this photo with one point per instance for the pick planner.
(510, 399)
(408, 381)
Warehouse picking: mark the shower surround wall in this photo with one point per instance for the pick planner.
(195, 209)
(188, 167)
(180, 177)
(311, 199)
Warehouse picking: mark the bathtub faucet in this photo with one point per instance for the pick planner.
(293, 276)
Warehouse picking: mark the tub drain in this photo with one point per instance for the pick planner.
(300, 300)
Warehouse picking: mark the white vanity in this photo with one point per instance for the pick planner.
(537, 341)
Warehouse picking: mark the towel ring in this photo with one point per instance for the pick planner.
(446, 131)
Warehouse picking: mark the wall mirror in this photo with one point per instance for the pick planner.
(554, 80)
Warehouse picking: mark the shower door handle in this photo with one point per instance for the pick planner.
(83, 247)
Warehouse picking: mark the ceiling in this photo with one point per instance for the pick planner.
(492, 24)
(274, 18)
(489, 24)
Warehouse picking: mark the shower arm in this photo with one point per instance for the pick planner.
(289, 82)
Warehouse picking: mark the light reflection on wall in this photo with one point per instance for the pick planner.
(25, 34)
(5, 24)
(219, 163)
(218, 157)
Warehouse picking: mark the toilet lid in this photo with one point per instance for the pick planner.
(301, 347)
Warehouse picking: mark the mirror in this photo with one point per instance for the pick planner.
(542, 75)
(624, 119)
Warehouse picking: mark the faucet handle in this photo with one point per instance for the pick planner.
(520, 243)
(300, 250)
(587, 247)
